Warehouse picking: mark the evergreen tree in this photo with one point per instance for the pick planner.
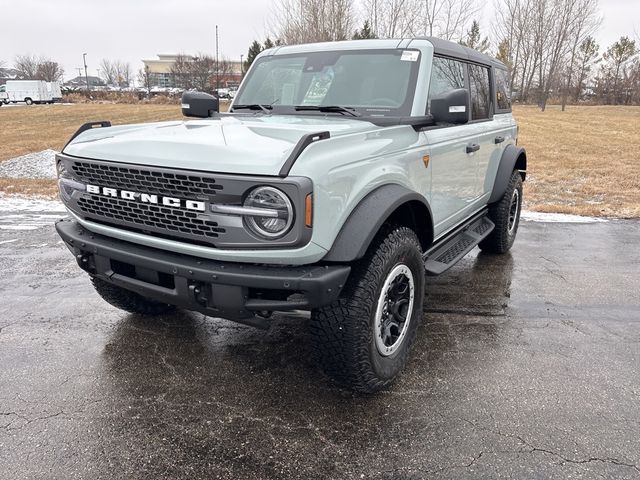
(365, 32)
(268, 44)
(474, 39)
(254, 51)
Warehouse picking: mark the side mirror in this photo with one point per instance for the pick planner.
(451, 107)
(199, 104)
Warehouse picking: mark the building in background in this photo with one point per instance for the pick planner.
(7, 74)
(81, 82)
(161, 76)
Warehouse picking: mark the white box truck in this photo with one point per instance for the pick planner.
(30, 91)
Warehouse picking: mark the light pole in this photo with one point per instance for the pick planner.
(86, 75)
(217, 65)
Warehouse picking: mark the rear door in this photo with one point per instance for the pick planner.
(454, 170)
(482, 120)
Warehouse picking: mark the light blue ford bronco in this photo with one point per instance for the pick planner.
(342, 174)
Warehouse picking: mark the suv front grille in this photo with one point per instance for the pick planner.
(148, 180)
(148, 217)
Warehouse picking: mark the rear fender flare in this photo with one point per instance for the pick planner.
(513, 158)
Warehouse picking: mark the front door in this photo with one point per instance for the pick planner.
(453, 153)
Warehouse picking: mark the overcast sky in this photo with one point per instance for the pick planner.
(131, 30)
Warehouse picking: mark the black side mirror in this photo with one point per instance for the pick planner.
(451, 107)
(199, 104)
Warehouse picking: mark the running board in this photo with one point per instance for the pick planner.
(444, 256)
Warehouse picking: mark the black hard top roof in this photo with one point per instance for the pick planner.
(452, 49)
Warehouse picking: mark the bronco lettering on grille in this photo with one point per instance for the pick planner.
(148, 198)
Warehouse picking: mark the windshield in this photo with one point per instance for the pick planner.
(370, 82)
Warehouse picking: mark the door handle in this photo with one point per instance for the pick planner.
(473, 147)
(498, 139)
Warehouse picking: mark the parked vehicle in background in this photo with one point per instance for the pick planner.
(30, 91)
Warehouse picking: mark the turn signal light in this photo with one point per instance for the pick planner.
(308, 210)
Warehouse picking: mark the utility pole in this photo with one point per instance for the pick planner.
(217, 64)
(241, 67)
(86, 75)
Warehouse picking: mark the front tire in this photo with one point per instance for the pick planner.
(505, 213)
(28, 101)
(363, 339)
(129, 301)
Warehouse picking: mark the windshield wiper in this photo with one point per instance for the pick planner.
(328, 108)
(254, 106)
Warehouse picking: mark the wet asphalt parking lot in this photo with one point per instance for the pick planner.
(526, 366)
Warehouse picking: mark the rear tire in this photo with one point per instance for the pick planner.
(363, 339)
(129, 301)
(505, 213)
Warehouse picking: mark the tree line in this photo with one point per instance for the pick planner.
(549, 46)
(32, 67)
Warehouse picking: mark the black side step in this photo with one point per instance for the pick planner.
(447, 254)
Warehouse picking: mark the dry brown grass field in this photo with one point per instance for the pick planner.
(583, 161)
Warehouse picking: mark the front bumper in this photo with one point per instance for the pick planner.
(223, 289)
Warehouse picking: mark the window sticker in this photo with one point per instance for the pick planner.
(410, 56)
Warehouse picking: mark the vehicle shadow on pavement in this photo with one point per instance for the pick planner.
(199, 390)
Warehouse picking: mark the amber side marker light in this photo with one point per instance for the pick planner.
(308, 210)
(425, 160)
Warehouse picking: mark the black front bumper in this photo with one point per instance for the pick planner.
(225, 289)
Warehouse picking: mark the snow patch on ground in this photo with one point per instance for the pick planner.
(32, 165)
(558, 218)
(20, 213)
(19, 203)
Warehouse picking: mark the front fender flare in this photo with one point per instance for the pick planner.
(367, 217)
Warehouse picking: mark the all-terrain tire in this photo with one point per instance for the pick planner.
(344, 332)
(505, 213)
(129, 301)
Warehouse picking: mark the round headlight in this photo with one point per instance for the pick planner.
(278, 212)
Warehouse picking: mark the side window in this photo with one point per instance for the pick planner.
(503, 101)
(480, 92)
(446, 75)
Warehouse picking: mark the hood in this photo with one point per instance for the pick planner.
(229, 144)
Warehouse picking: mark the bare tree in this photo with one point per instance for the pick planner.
(27, 66)
(181, 71)
(447, 19)
(540, 39)
(116, 73)
(144, 77)
(108, 71)
(305, 21)
(201, 72)
(49, 71)
(392, 18)
(587, 56)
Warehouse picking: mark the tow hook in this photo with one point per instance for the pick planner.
(198, 291)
